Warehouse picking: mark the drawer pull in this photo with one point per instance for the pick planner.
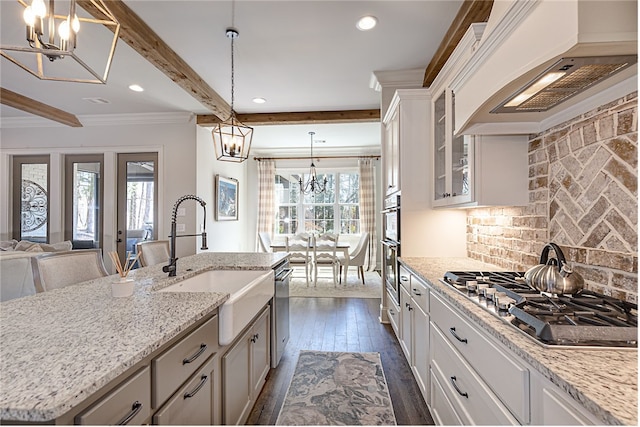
(415, 291)
(255, 338)
(203, 347)
(135, 408)
(453, 382)
(453, 332)
(403, 278)
(203, 380)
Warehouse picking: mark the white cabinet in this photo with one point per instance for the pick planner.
(393, 314)
(478, 170)
(406, 135)
(244, 367)
(392, 153)
(414, 336)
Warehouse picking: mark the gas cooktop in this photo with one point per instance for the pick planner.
(587, 319)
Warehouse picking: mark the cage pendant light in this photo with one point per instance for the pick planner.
(64, 42)
(313, 186)
(231, 138)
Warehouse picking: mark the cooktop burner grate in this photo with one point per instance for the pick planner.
(586, 319)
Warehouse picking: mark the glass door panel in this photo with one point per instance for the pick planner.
(84, 190)
(31, 198)
(440, 144)
(137, 201)
(459, 160)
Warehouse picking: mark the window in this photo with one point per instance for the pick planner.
(335, 211)
(31, 198)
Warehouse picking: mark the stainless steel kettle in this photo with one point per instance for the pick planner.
(553, 275)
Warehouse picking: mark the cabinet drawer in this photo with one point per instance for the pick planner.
(393, 312)
(174, 366)
(129, 403)
(193, 403)
(473, 400)
(420, 294)
(404, 278)
(508, 379)
(442, 410)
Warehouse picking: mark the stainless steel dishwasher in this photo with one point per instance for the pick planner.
(280, 312)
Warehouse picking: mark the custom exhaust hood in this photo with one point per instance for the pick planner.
(542, 62)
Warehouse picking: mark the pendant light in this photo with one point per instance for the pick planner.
(53, 31)
(231, 138)
(313, 186)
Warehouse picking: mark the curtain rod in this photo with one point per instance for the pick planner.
(259, 159)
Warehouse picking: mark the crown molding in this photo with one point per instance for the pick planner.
(396, 79)
(102, 120)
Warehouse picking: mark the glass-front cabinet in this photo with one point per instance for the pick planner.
(452, 155)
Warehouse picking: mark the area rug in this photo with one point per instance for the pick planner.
(337, 388)
(325, 289)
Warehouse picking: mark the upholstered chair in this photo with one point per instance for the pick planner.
(265, 241)
(59, 269)
(153, 252)
(358, 256)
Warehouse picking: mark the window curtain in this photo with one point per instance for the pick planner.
(266, 194)
(367, 209)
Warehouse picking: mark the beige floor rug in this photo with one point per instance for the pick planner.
(337, 388)
(325, 289)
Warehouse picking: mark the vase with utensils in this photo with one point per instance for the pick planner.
(123, 287)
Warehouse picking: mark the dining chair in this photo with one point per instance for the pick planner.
(324, 254)
(153, 252)
(299, 249)
(59, 269)
(265, 241)
(357, 257)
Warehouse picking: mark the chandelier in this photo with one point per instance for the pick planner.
(53, 30)
(232, 139)
(313, 186)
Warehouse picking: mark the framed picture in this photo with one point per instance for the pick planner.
(226, 199)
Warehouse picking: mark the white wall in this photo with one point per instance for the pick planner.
(224, 236)
(172, 137)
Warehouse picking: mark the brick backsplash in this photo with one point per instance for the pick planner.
(583, 196)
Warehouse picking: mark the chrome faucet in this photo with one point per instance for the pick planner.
(171, 268)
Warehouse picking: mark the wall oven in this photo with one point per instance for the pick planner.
(391, 245)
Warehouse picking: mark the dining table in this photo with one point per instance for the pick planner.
(340, 246)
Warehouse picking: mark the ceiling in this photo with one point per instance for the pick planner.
(301, 56)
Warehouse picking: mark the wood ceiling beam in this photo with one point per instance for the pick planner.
(137, 34)
(32, 106)
(306, 117)
(470, 12)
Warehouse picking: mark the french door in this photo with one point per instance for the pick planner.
(84, 194)
(31, 198)
(137, 194)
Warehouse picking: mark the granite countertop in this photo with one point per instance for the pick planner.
(603, 381)
(59, 347)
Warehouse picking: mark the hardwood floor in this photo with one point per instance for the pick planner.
(342, 324)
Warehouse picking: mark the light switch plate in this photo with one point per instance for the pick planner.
(180, 227)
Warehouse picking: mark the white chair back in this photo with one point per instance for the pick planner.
(299, 248)
(265, 241)
(153, 252)
(60, 269)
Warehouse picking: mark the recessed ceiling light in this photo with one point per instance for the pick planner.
(136, 88)
(259, 100)
(366, 23)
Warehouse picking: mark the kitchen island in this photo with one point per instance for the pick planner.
(60, 347)
(603, 381)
